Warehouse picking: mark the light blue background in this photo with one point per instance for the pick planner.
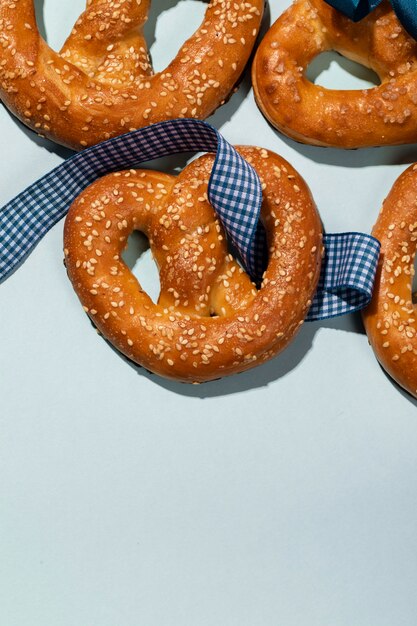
(286, 495)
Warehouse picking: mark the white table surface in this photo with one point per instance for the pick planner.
(286, 495)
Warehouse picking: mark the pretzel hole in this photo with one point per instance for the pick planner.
(162, 27)
(55, 25)
(138, 257)
(334, 71)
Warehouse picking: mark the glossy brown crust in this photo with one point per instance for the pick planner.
(209, 321)
(101, 84)
(390, 319)
(383, 115)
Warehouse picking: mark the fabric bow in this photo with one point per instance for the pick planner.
(405, 10)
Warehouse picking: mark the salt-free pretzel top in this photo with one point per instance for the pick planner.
(101, 83)
(390, 320)
(383, 115)
(210, 320)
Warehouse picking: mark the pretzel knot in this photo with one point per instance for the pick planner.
(101, 84)
(210, 320)
(383, 115)
(390, 319)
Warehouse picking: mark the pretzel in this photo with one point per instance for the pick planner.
(390, 319)
(383, 115)
(101, 83)
(210, 320)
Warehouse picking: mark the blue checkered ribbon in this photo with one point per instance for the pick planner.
(405, 10)
(234, 190)
(347, 275)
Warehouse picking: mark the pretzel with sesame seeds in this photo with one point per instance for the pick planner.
(382, 115)
(390, 319)
(101, 84)
(210, 320)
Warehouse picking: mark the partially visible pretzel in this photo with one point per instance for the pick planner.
(101, 84)
(383, 115)
(210, 321)
(391, 318)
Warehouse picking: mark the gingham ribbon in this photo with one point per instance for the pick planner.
(234, 190)
(347, 275)
(405, 10)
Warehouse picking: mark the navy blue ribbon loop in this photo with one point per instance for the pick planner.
(405, 10)
(234, 190)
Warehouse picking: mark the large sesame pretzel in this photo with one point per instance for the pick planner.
(209, 321)
(101, 83)
(391, 320)
(382, 115)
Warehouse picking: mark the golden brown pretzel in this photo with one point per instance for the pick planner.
(101, 84)
(383, 115)
(210, 321)
(390, 319)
